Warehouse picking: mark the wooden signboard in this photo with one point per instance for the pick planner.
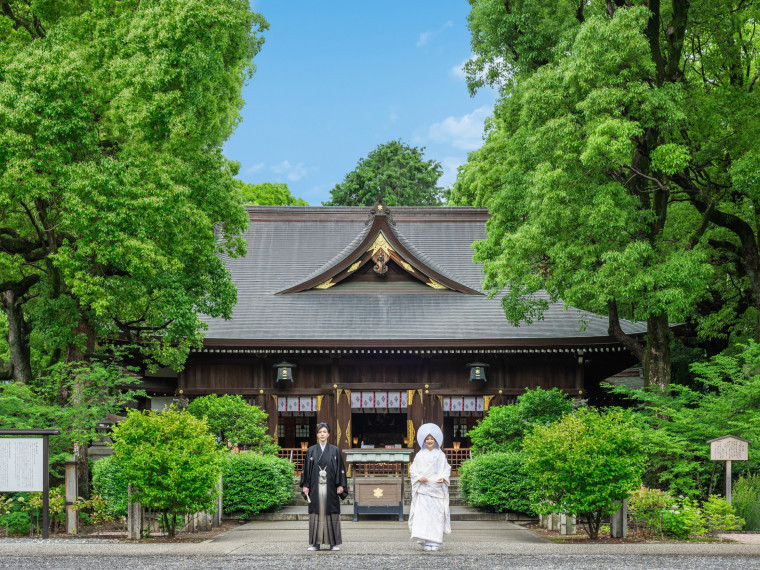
(729, 448)
(21, 464)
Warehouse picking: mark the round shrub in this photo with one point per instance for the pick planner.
(109, 482)
(746, 499)
(16, 524)
(254, 483)
(496, 482)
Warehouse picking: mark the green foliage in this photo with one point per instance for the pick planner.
(16, 524)
(723, 398)
(683, 521)
(117, 199)
(646, 507)
(232, 420)
(109, 483)
(395, 170)
(720, 516)
(268, 194)
(583, 463)
(504, 426)
(620, 165)
(254, 483)
(73, 398)
(746, 499)
(496, 482)
(171, 461)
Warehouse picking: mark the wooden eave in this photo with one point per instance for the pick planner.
(361, 255)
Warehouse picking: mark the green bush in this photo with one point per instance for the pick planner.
(496, 482)
(746, 500)
(505, 426)
(109, 482)
(683, 521)
(254, 483)
(720, 515)
(16, 524)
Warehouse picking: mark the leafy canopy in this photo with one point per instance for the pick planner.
(233, 420)
(170, 460)
(268, 194)
(116, 198)
(395, 170)
(505, 426)
(583, 463)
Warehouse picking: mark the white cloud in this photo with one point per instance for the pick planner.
(458, 71)
(293, 172)
(450, 165)
(465, 132)
(254, 168)
(426, 37)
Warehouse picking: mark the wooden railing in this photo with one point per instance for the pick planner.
(455, 456)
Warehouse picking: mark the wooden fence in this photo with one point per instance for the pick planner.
(455, 456)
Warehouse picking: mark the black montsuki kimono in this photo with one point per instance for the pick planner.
(324, 508)
(336, 476)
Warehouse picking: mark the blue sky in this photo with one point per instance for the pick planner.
(337, 78)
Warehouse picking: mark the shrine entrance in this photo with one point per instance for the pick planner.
(378, 429)
(379, 419)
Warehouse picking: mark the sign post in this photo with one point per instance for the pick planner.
(25, 465)
(729, 448)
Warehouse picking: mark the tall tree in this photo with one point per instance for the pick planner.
(115, 198)
(395, 170)
(268, 194)
(620, 147)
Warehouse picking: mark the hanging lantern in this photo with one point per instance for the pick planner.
(477, 371)
(284, 371)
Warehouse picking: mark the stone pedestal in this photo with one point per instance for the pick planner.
(566, 524)
(619, 521)
(72, 492)
(135, 515)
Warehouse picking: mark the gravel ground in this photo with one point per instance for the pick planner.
(338, 561)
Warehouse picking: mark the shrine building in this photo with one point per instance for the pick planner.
(374, 321)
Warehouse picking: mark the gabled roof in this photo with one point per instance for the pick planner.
(291, 250)
(380, 240)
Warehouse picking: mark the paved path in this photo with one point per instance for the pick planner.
(486, 545)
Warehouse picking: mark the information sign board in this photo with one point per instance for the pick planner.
(729, 448)
(21, 464)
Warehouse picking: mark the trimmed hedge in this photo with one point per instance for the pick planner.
(109, 482)
(255, 483)
(496, 482)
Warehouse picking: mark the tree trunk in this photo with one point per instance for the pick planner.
(656, 360)
(77, 352)
(18, 336)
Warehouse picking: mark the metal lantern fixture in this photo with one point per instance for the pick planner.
(284, 371)
(477, 371)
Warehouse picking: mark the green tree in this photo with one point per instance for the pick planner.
(505, 426)
(724, 399)
(583, 463)
(268, 194)
(171, 461)
(116, 198)
(617, 165)
(394, 170)
(231, 419)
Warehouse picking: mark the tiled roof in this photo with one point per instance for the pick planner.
(288, 245)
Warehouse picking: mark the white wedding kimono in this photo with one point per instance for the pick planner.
(429, 516)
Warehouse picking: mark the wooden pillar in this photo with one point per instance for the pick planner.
(414, 417)
(326, 414)
(72, 514)
(269, 405)
(433, 410)
(342, 418)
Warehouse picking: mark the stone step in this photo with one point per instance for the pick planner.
(458, 513)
